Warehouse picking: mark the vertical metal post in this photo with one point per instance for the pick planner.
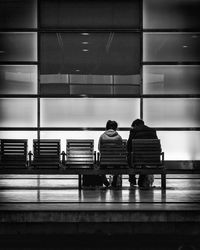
(79, 182)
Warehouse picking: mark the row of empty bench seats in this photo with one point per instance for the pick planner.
(79, 154)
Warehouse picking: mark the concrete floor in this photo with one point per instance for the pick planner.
(44, 211)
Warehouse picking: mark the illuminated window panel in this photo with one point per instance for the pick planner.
(170, 14)
(64, 135)
(18, 14)
(90, 14)
(18, 79)
(172, 112)
(167, 79)
(175, 47)
(88, 112)
(90, 79)
(29, 135)
(180, 145)
(18, 112)
(18, 46)
(127, 79)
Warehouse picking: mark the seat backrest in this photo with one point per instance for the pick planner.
(113, 154)
(14, 152)
(80, 153)
(46, 151)
(146, 152)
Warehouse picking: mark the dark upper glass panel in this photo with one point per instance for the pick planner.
(175, 47)
(18, 14)
(90, 14)
(87, 63)
(171, 14)
(18, 46)
(167, 79)
(18, 79)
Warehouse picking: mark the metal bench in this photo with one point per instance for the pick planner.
(113, 155)
(46, 153)
(147, 155)
(80, 153)
(13, 153)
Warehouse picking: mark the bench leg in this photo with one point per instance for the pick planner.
(163, 181)
(79, 181)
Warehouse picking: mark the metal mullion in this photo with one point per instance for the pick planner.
(103, 128)
(171, 30)
(38, 70)
(141, 60)
(18, 63)
(171, 63)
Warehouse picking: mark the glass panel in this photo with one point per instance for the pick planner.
(176, 79)
(170, 14)
(91, 79)
(18, 14)
(175, 47)
(180, 145)
(64, 135)
(29, 135)
(17, 46)
(126, 90)
(90, 112)
(94, 58)
(16, 79)
(16, 112)
(90, 14)
(89, 89)
(172, 112)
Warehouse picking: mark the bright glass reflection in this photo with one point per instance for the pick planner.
(16, 79)
(64, 135)
(18, 46)
(90, 85)
(15, 112)
(176, 79)
(170, 14)
(172, 112)
(180, 145)
(29, 135)
(171, 47)
(18, 14)
(90, 112)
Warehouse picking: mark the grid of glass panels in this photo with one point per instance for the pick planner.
(171, 75)
(88, 61)
(18, 70)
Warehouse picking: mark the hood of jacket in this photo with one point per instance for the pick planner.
(110, 133)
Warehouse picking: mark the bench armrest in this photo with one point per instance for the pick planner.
(29, 158)
(63, 154)
(163, 157)
(95, 157)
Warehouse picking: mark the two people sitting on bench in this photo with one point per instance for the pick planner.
(140, 131)
(112, 135)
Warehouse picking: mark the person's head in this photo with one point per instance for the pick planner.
(111, 125)
(137, 123)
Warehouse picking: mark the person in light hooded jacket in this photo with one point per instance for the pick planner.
(112, 135)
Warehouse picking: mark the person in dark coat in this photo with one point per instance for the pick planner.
(139, 131)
